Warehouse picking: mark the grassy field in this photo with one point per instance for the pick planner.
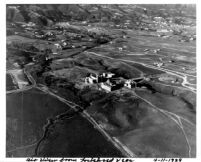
(76, 137)
(146, 70)
(27, 113)
(144, 130)
(170, 103)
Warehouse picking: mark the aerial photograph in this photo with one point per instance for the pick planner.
(101, 80)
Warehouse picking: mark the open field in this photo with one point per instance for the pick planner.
(144, 129)
(26, 119)
(76, 137)
(27, 115)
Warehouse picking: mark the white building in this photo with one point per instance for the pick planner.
(146, 50)
(93, 78)
(64, 44)
(57, 45)
(108, 75)
(130, 84)
(158, 64)
(120, 48)
(49, 33)
(147, 78)
(124, 47)
(16, 64)
(156, 50)
(106, 86)
(56, 48)
(162, 30)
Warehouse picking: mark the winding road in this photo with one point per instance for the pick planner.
(181, 75)
(176, 118)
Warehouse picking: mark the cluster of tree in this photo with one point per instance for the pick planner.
(44, 62)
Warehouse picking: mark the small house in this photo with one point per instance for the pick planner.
(130, 84)
(162, 30)
(147, 79)
(56, 48)
(108, 75)
(156, 50)
(57, 45)
(64, 44)
(146, 50)
(106, 86)
(110, 86)
(120, 48)
(92, 78)
(50, 34)
(125, 47)
(158, 64)
(16, 64)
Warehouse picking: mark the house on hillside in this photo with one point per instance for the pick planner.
(156, 50)
(63, 42)
(130, 84)
(162, 30)
(120, 48)
(92, 78)
(95, 78)
(57, 45)
(39, 34)
(50, 33)
(147, 78)
(108, 75)
(104, 77)
(50, 36)
(158, 64)
(109, 86)
(56, 48)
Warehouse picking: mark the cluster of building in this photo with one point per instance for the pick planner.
(58, 47)
(187, 38)
(159, 64)
(108, 81)
(155, 51)
(50, 36)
